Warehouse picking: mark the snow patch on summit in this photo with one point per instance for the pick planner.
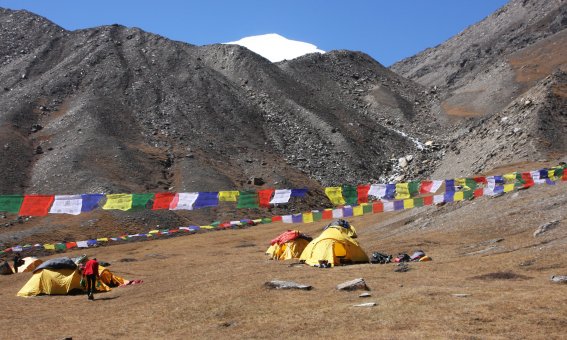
(276, 48)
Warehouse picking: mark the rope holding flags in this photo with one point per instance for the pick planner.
(483, 186)
(41, 205)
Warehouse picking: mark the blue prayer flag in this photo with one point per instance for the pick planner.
(90, 201)
(206, 199)
(298, 192)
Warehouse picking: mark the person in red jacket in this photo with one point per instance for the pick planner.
(90, 273)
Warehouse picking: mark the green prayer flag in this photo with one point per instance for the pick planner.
(266, 220)
(414, 187)
(247, 199)
(350, 194)
(11, 203)
(471, 184)
(367, 209)
(215, 223)
(317, 216)
(60, 246)
(519, 181)
(558, 172)
(418, 202)
(139, 201)
(468, 194)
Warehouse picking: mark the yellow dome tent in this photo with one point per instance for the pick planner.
(335, 246)
(66, 281)
(288, 245)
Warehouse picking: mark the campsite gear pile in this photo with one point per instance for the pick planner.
(335, 246)
(62, 276)
(418, 256)
(380, 258)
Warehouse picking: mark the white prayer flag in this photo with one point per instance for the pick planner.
(377, 190)
(435, 186)
(338, 213)
(287, 219)
(67, 204)
(536, 177)
(82, 244)
(388, 206)
(281, 196)
(438, 199)
(491, 182)
(183, 201)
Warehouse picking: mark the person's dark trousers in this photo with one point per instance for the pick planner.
(91, 285)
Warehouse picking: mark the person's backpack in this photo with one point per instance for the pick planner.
(380, 258)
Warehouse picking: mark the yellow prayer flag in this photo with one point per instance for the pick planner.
(207, 227)
(308, 217)
(508, 187)
(459, 196)
(357, 211)
(155, 231)
(335, 195)
(551, 174)
(118, 202)
(408, 203)
(462, 182)
(228, 196)
(402, 191)
(102, 239)
(510, 178)
(49, 246)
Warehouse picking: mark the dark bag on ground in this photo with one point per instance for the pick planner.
(380, 258)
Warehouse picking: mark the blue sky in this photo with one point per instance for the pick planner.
(387, 30)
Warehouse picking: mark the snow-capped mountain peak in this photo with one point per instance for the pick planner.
(276, 48)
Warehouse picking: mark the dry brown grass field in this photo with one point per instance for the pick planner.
(211, 285)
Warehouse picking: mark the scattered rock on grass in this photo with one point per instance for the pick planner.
(365, 295)
(401, 268)
(559, 278)
(278, 284)
(545, 227)
(356, 284)
(368, 304)
(461, 295)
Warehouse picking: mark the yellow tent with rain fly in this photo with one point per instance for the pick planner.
(66, 281)
(335, 246)
(288, 245)
(287, 251)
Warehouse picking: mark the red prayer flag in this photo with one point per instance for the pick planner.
(162, 200)
(564, 178)
(264, 197)
(377, 207)
(70, 245)
(36, 205)
(529, 181)
(480, 180)
(363, 193)
(425, 187)
(478, 192)
(276, 218)
(428, 200)
(327, 214)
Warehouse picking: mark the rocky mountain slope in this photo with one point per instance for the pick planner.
(113, 109)
(116, 109)
(501, 85)
(477, 70)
